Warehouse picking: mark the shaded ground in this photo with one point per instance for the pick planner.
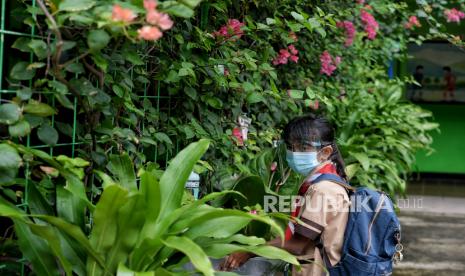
(434, 244)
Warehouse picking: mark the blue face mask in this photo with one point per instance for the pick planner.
(302, 162)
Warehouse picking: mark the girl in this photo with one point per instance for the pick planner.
(318, 237)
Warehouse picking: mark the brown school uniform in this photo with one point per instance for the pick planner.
(329, 221)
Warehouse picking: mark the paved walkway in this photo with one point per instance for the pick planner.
(433, 236)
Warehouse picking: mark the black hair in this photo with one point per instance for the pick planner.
(446, 68)
(313, 128)
(419, 67)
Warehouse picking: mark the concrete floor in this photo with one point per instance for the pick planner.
(433, 236)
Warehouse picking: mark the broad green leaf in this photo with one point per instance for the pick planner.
(269, 252)
(20, 129)
(24, 93)
(105, 228)
(76, 233)
(10, 161)
(48, 135)
(22, 44)
(97, 39)
(131, 217)
(296, 94)
(162, 137)
(35, 249)
(195, 253)
(175, 176)
(124, 271)
(121, 166)
(50, 234)
(9, 113)
(76, 5)
(70, 207)
(21, 72)
(39, 109)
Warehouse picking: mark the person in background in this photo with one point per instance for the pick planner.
(418, 76)
(449, 79)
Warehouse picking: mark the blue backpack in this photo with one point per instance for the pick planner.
(372, 235)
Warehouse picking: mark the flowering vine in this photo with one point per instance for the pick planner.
(349, 31)
(286, 54)
(370, 24)
(328, 63)
(232, 30)
(412, 22)
(454, 15)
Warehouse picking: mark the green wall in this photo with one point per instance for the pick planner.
(449, 143)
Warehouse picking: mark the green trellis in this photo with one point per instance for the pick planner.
(9, 32)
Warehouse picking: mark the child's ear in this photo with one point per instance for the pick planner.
(326, 152)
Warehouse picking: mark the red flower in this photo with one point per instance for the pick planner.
(121, 14)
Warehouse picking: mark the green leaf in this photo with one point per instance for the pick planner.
(97, 39)
(39, 47)
(255, 97)
(20, 129)
(50, 234)
(39, 109)
(69, 207)
(35, 250)
(124, 271)
(24, 94)
(196, 255)
(76, 5)
(162, 137)
(121, 166)
(177, 9)
(10, 161)
(9, 113)
(104, 232)
(363, 159)
(22, 44)
(21, 72)
(174, 178)
(131, 218)
(48, 135)
(296, 94)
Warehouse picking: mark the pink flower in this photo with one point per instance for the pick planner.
(293, 36)
(121, 14)
(149, 33)
(454, 15)
(349, 31)
(412, 22)
(238, 134)
(232, 29)
(226, 72)
(361, 2)
(253, 212)
(150, 5)
(273, 167)
(370, 24)
(162, 20)
(328, 63)
(314, 105)
(285, 55)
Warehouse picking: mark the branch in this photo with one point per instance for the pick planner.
(56, 30)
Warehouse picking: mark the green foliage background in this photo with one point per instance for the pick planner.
(87, 80)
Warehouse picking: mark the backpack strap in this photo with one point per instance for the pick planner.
(335, 179)
(341, 182)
